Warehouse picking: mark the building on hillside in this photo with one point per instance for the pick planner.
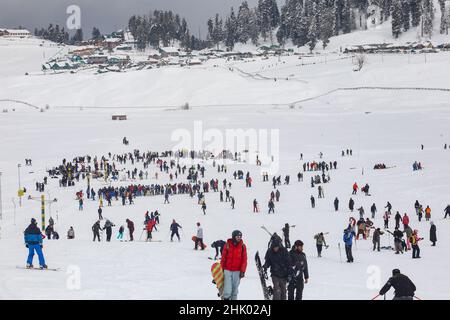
(15, 33)
(97, 59)
(169, 52)
(118, 60)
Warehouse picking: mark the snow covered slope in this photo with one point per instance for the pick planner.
(381, 126)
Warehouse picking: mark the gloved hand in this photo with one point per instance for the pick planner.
(26, 245)
(241, 275)
(41, 246)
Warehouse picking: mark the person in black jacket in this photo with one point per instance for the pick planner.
(404, 287)
(433, 237)
(174, 228)
(285, 230)
(300, 269)
(96, 230)
(277, 259)
(218, 245)
(108, 226)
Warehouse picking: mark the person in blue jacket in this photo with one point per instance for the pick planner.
(348, 240)
(33, 241)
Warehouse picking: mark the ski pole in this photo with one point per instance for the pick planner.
(417, 298)
(340, 255)
(375, 297)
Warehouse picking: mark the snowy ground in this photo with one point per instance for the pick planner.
(379, 125)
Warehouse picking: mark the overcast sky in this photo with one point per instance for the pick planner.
(110, 15)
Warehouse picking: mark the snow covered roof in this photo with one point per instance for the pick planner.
(170, 49)
(113, 40)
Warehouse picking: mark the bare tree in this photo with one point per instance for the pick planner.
(359, 62)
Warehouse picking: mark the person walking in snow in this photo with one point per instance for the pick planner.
(278, 260)
(108, 227)
(376, 239)
(427, 213)
(255, 206)
(96, 230)
(313, 201)
(174, 229)
(320, 242)
(336, 204)
(71, 233)
(433, 237)
(285, 230)
(130, 226)
(351, 204)
(199, 238)
(373, 210)
(348, 240)
(299, 274)
(234, 264)
(447, 211)
(100, 217)
(33, 241)
(271, 206)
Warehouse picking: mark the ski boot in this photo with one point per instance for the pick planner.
(43, 267)
(29, 266)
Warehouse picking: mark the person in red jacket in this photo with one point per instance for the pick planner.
(150, 224)
(355, 188)
(234, 264)
(405, 220)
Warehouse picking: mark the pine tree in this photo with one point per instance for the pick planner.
(313, 29)
(415, 12)
(243, 23)
(427, 17)
(78, 36)
(346, 17)
(230, 30)
(96, 34)
(442, 27)
(328, 23)
(405, 14)
(397, 21)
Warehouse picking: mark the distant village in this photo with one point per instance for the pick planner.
(116, 52)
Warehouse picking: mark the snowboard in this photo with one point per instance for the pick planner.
(34, 268)
(218, 277)
(194, 238)
(267, 290)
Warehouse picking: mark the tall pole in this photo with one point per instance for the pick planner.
(20, 197)
(43, 211)
(1, 203)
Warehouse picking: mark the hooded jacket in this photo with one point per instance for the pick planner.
(234, 256)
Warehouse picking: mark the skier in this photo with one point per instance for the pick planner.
(433, 237)
(174, 229)
(71, 233)
(348, 240)
(218, 246)
(234, 264)
(96, 230)
(373, 209)
(199, 238)
(313, 202)
(299, 275)
(351, 204)
(108, 226)
(130, 226)
(278, 260)
(285, 230)
(404, 287)
(414, 239)
(376, 239)
(320, 242)
(336, 204)
(33, 241)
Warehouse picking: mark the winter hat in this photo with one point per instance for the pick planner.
(276, 243)
(298, 243)
(236, 233)
(395, 271)
(33, 220)
(198, 223)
